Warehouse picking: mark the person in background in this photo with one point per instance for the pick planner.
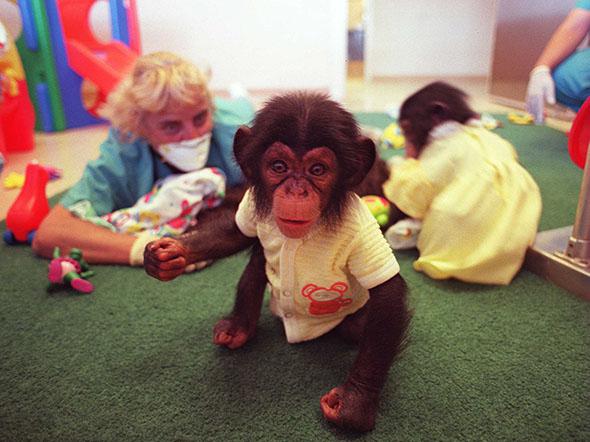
(164, 121)
(561, 72)
(479, 208)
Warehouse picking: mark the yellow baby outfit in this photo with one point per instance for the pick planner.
(480, 208)
(318, 280)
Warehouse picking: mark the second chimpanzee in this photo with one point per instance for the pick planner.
(315, 244)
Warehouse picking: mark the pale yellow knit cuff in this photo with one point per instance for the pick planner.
(136, 253)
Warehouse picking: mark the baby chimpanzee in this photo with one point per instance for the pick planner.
(315, 244)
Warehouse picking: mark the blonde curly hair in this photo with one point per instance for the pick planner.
(158, 81)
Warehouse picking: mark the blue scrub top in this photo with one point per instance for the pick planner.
(572, 75)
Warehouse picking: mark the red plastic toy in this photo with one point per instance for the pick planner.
(17, 116)
(29, 208)
(579, 136)
(104, 64)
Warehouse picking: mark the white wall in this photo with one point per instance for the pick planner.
(429, 37)
(286, 44)
(263, 44)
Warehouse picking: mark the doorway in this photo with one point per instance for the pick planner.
(356, 38)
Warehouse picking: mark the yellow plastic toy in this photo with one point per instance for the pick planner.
(392, 137)
(14, 180)
(521, 118)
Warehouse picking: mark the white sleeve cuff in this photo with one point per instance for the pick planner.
(136, 253)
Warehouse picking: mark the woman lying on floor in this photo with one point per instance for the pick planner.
(164, 122)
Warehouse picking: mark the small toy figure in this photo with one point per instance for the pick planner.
(71, 270)
(379, 207)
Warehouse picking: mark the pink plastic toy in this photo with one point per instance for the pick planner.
(71, 270)
(29, 208)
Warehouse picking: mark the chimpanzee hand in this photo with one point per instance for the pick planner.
(165, 259)
(349, 407)
(232, 332)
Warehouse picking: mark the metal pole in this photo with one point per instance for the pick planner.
(578, 247)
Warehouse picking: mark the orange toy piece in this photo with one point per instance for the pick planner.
(29, 208)
(17, 116)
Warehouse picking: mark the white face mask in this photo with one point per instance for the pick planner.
(187, 155)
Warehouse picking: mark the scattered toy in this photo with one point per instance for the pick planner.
(379, 207)
(489, 122)
(521, 118)
(392, 137)
(70, 270)
(14, 180)
(29, 208)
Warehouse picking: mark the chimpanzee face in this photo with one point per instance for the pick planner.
(303, 147)
(300, 186)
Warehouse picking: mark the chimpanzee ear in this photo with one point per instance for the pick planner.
(365, 157)
(241, 141)
(438, 110)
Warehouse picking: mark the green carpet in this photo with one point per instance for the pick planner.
(135, 359)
